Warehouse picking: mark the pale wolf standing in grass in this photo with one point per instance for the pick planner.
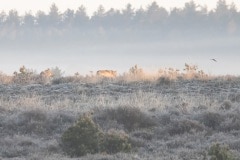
(47, 73)
(107, 73)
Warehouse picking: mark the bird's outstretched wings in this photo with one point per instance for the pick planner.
(213, 60)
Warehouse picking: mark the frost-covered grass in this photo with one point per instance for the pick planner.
(164, 118)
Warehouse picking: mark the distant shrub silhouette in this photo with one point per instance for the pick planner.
(191, 71)
(24, 76)
(56, 72)
(135, 70)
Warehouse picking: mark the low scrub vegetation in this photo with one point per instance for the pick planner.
(211, 119)
(131, 118)
(218, 152)
(85, 137)
(135, 73)
(116, 141)
(91, 118)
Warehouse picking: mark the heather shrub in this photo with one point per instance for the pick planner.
(226, 105)
(143, 134)
(82, 138)
(131, 118)
(164, 119)
(116, 141)
(31, 122)
(234, 97)
(235, 145)
(231, 122)
(135, 74)
(218, 152)
(163, 81)
(35, 122)
(69, 79)
(57, 72)
(17, 146)
(85, 137)
(136, 71)
(184, 126)
(211, 119)
(24, 76)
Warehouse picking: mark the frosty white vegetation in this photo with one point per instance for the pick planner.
(164, 116)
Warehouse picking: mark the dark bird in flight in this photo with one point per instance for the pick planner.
(214, 60)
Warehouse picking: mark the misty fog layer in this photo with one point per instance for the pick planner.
(153, 38)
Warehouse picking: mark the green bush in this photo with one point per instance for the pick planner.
(218, 152)
(85, 137)
(82, 138)
(116, 141)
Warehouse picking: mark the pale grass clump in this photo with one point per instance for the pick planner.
(29, 76)
(24, 76)
(5, 79)
(170, 73)
(135, 74)
(189, 72)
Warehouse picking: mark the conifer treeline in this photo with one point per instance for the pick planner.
(152, 23)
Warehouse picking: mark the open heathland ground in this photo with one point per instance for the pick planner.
(162, 118)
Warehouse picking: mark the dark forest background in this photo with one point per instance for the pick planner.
(153, 23)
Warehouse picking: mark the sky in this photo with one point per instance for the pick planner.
(23, 6)
(228, 63)
(151, 57)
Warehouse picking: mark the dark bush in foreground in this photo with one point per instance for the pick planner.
(218, 152)
(85, 137)
(130, 117)
(82, 138)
